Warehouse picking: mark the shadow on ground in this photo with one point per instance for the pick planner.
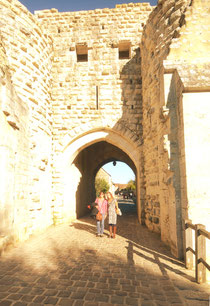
(140, 241)
(68, 265)
(73, 275)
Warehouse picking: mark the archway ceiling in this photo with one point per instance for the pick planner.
(101, 153)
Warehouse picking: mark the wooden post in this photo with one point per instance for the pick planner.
(188, 246)
(200, 252)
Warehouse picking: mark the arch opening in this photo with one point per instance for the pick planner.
(77, 165)
(88, 162)
(121, 181)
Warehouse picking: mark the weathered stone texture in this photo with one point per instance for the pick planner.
(79, 89)
(168, 43)
(26, 105)
(14, 159)
(118, 82)
(189, 50)
(157, 36)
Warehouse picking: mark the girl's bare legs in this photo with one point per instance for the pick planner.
(114, 231)
(110, 231)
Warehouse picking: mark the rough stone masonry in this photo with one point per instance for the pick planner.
(79, 89)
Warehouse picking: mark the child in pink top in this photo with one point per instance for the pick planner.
(102, 207)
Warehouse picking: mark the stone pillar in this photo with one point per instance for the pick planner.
(170, 182)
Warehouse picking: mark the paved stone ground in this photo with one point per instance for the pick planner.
(69, 265)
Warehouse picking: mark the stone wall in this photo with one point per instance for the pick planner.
(189, 50)
(81, 88)
(189, 55)
(192, 64)
(118, 81)
(14, 159)
(26, 105)
(104, 91)
(174, 62)
(162, 26)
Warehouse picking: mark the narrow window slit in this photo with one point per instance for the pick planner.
(82, 53)
(97, 103)
(124, 50)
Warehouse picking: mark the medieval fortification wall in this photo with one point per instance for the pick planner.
(26, 105)
(176, 69)
(103, 90)
(133, 73)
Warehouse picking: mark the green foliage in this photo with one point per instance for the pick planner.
(131, 185)
(101, 185)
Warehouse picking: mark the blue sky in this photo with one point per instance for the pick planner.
(121, 173)
(69, 5)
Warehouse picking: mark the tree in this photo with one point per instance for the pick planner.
(101, 185)
(131, 185)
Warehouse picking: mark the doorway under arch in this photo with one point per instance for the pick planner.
(79, 163)
(88, 162)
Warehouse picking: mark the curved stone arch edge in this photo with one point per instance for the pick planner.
(79, 143)
(100, 125)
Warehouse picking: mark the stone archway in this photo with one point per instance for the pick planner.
(77, 166)
(88, 162)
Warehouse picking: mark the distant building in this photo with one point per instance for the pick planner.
(105, 175)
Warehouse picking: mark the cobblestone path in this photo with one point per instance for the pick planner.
(69, 265)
